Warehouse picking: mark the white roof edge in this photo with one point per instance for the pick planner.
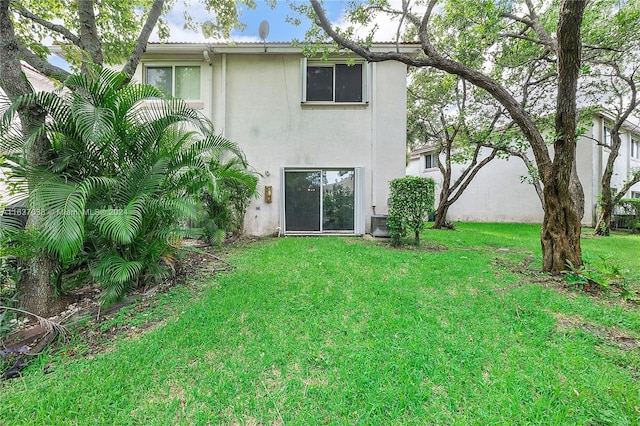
(251, 48)
(628, 124)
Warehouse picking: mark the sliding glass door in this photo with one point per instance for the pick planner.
(302, 200)
(319, 201)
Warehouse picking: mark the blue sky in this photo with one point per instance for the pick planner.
(279, 29)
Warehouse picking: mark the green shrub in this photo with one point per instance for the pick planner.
(631, 206)
(412, 199)
(124, 177)
(222, 212)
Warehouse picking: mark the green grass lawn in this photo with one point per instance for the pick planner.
(344, 331)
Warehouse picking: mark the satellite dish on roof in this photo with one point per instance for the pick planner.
(206, 28)
(263, 30)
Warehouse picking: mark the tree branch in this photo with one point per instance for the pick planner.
(63, 31)
(89, 32)
(141, 43)
(517, 18)
(537, 27)
(41, 65)
(635, 178)
(433, 59)
(522, 37)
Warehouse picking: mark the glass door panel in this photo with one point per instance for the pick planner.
(338, 200)
(302, 200)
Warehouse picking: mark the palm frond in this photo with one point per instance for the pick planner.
(9, 227)
(116, 276)
(120, 225)
(61, 209)
(93, 121)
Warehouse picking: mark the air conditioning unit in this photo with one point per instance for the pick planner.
(379, 226)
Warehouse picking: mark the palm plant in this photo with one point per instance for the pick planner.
(222, 211)
(127, 167)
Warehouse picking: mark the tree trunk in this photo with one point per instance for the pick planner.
(440, 219)
(36, 292)
(577, 192)
(34, 288)
(560, 234)
(89, 32)
(603, 227)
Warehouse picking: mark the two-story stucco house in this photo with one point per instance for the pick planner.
(325, 136)
(500, 192)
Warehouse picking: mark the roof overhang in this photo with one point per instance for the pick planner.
(185, 50)
(262, 48)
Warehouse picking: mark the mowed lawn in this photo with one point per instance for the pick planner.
(329, 330)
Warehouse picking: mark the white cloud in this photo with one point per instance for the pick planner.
(387, 24)
(180, 34)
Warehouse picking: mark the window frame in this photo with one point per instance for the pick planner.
(606, 135)
(635, 194)
(634, 148)
(434, 161)
(173, 67)
(305, 63)
(358, 194)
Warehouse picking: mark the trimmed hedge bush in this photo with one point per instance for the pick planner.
(412, 199)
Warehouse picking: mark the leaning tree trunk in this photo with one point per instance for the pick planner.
(607, 203)
(440, 219)
(603, 225)
(560, 234)
(35, 292)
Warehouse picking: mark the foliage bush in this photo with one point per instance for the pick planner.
(222, 211)
(597, 274)
(412, 199)
(128, 167)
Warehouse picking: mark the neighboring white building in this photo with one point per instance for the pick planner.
(500, 194)
(305, 125)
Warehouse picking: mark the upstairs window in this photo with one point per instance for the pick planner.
(178, 81)
(635, 194)
(430, 161)
(334, 82)
(634, 149)
(606, 137)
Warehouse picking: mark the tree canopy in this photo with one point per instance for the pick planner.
(462, 38)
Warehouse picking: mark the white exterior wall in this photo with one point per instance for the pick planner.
(254, 99)
(497, 194)
(263, 113)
